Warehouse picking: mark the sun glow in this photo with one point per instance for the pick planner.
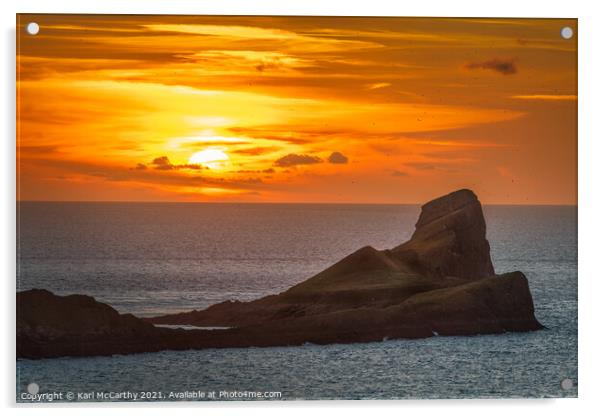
(287, 109)
(213, 158)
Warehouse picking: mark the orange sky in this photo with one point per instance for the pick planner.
(290, 109)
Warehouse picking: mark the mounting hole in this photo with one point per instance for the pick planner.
(32, 28)
(33, 388)
(566, 384)
(566, 32)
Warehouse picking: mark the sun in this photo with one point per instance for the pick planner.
(213, 158)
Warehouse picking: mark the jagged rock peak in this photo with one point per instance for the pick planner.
(450, 238)
(445, 205)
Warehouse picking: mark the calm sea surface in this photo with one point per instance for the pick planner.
(157, 258)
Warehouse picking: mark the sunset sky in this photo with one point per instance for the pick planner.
(296, 109)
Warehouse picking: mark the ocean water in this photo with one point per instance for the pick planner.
(155, 258)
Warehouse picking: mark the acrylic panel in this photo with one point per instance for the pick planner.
(282, 208)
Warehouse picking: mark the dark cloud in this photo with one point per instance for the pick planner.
(294, 159)
(503, 66)
(400, 173)
(252, 181)
(140, 166)
(270, 170)
(163, 163)
(265, 65)
(189, 166)
(338, 158)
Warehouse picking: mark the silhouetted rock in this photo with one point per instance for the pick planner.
(448, 247)
(449, 239)
(68, 325)
(441, 282)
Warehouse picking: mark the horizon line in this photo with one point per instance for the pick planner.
(274, 203)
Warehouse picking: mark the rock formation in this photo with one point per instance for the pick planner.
(450, 239)
(441, 282)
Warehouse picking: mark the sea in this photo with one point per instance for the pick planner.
(156, 258)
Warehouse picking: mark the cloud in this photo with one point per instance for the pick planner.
(294, 159)
(267, 65)
(400, 174)
(255, 151)
(504, 172)
(140, 166)
(546, 97)
(421, 165)
(242, 60)
(385, 148)
(163, 163)
(274, 133)
(378, 85)
(38, 149)
(337, 158)
(503, 66)
(269, 170)
(438, 166)
(170, 179)
(221, 34)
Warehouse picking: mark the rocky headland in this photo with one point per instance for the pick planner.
(440, 282)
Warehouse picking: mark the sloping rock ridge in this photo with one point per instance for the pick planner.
(440, 282)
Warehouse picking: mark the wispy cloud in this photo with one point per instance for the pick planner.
(288, 39)
(255, 151)
(502, 66)
(103, 96)
(546, 97)
(378, 85)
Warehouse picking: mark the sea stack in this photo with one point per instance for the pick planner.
(450, 238)
(440, 282)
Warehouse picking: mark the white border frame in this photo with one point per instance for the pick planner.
(590, 136)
